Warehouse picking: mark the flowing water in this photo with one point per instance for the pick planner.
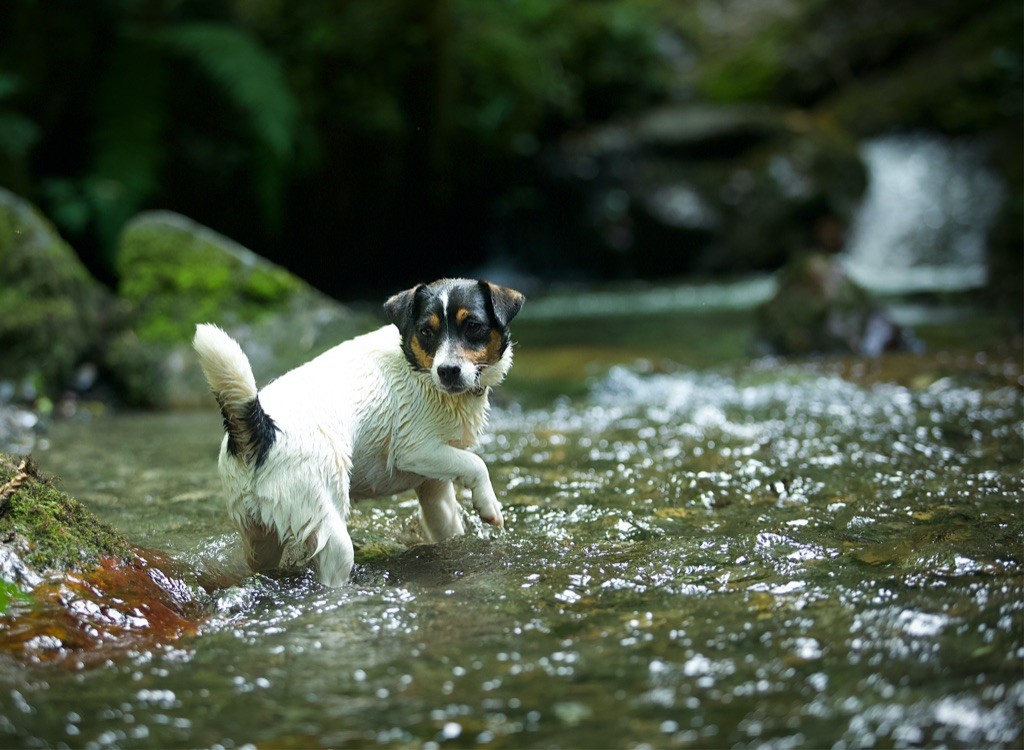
(924, 221)
(791, 555)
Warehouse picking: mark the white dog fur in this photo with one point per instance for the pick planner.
(355, 422)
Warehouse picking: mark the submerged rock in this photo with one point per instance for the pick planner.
(71, 587)
(819, 310)
(178, 273)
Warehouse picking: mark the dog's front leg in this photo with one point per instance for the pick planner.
(439, 510)
(451, 464)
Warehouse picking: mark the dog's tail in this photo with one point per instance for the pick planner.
(251, 432)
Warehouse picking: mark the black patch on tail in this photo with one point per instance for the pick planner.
(255, 424)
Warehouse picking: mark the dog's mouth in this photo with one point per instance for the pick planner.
(457, 389)
(460, 387)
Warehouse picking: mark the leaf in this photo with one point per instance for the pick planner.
(11, 592)
(250, 75)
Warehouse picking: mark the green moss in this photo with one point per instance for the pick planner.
(269, 285)
(59, 531)
(50, 308)
(377, 552)
(180, 274)
(745, 73)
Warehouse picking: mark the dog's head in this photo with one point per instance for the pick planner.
(457, 330)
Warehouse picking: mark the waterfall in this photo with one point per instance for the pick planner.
(924, 220)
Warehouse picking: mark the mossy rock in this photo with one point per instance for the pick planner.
(74, 590)
(713, 188)
(799, 187)
(51, 309)
(178, 273)
(819, 310)
(50, 530)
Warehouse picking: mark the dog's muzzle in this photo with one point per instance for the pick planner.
(455, 378)
(450, 376)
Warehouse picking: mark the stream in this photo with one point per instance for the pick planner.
(700, 551)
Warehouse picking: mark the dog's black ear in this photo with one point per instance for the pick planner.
(401, 307)
(505, 302)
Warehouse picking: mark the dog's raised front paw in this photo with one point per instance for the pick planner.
(489, 510)
(487, 506)
(495, 520)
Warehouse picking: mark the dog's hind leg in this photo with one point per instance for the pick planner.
(439, 510)
(335, 553)
(262, 546)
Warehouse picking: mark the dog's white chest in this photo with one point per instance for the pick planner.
(423, 421)
(374, 473)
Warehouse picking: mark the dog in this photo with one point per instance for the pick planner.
(392, 410)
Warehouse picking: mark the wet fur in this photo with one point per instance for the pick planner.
(390, 411)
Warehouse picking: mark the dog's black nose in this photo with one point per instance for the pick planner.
(449, 374)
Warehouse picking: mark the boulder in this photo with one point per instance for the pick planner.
(51, 309)
(177, 273)
(819, 310)
(61, 331)
(72, 589)
(706, 188)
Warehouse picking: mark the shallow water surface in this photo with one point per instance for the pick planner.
(769, 554)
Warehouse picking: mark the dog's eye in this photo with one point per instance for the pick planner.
(426, 332)
(474, 327)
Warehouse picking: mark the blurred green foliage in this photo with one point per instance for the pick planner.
(17, 133)
(359, 131)
(219, 109)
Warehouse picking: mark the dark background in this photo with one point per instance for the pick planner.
(364, 144)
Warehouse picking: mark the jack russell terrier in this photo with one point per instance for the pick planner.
(389, 411)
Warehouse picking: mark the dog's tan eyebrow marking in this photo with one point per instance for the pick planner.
(434, 321)
(487, 354)
(461, 314)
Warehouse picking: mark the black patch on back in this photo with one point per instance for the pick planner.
(255, 423)
(232, 447)
(262, 429)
